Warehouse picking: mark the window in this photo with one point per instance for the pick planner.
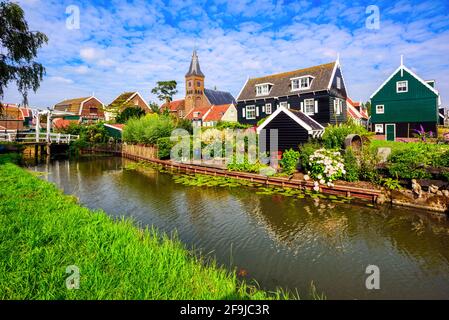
(190, 84)
(380, 109)
(379, 128)
(401, 86)
(338, 106)
(250, 112)
(198, 83)
(262, 89)
(283, 104)
(93, 110)
(309, 107)
(338, 83)
(268, 108)
(301, 83)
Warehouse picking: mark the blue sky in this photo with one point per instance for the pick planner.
(129, 45)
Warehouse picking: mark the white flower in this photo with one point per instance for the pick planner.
(322, 181)
(316, 188)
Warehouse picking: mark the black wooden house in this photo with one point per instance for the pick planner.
(319, 92)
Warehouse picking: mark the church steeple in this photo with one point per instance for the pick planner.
(194, 69)
(194, 85)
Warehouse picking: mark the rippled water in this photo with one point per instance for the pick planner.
(279, 241)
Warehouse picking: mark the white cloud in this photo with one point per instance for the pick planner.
(137, 43)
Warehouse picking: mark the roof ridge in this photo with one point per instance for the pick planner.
(294, 71)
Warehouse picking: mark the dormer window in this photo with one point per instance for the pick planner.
(263, 89)
(301, 83)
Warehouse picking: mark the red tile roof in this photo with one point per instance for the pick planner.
(197, 113)
(216, 113)
(173, 106)
(60, 123)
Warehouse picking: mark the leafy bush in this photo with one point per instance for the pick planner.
(326, 166)
(231, 125)
(148, 129)
(164, 146)
(305, 151)
(245, 166)
(351, 166)
(368, 165)
(289, 161)
(129, 113)
(409, 164)
(334, 136)
(391, 184)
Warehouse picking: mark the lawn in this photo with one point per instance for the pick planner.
(396, 145)
(43, 231)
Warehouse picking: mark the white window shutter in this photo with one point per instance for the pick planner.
(263, 108)
(244, 114)
(257, 111)
(316, 106)
(302, 106)
(288, 105)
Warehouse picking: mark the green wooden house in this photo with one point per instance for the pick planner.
(404, 103)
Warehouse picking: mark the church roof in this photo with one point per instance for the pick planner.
(216, 97)
(194, 69)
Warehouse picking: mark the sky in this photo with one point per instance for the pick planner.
(122, 45)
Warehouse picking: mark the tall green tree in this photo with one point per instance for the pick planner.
(18, 50)
(128, 113)
(154, 107)
(165, 90)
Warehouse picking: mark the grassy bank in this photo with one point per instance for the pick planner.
(42, 232)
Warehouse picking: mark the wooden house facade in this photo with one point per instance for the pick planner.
(404, 103)
(319, 92)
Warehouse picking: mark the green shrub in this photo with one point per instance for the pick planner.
(368, 165)
(351, 166)
(148, 129)
(289, 162)
(164, 146)
(305, 151)
(408, 164)
(334, 136)
(231, 125)
(245, 166)
(129, 113)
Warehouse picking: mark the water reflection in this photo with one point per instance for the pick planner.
(279, 241)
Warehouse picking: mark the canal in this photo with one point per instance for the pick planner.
(276, 240)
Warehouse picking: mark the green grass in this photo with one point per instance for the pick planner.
(43, 231)
(396, 145)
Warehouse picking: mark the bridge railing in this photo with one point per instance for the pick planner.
(41, 138)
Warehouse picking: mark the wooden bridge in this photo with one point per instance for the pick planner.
(39, 138)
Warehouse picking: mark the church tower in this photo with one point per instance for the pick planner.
(194, 85)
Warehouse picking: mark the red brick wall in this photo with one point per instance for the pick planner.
(92, 109)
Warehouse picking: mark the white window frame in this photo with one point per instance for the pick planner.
(338, 106)
(263, 89)
(283, 104)
(297, 83)
(249, 112)
(379, 128)
(311, 104)
(268, 109)
(338, 83)
(403, 85)
(380, 110)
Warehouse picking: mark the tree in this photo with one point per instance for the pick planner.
(367, 106)
(165, 90)
(128, 113)
(18, 49)
(155, 107)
